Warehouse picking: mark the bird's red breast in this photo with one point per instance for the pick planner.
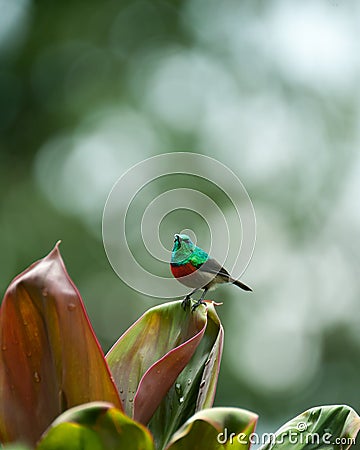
(182, 270)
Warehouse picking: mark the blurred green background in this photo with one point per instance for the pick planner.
(269, 88)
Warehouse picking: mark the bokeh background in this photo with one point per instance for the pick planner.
(269, 88)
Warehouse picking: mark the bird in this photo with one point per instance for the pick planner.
(194, 268)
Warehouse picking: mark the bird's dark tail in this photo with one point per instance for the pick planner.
(241, 285)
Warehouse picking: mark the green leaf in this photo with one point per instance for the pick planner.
(215, 429)
(194, 388)
(15, 447)
(50, 359)
(148, 358)
(324, 427)
(95, 426)
(214, 338)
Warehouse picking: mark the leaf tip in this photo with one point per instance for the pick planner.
(216, 303)
(53, 254)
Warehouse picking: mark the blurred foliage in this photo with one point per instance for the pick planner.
(269, 89)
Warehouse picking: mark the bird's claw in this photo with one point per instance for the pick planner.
(197, 304)
(185, 303)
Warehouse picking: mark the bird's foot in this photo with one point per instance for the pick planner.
(185, 303)
(197, 304)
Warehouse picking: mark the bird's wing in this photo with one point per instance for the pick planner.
(201, 260)
(212, 266)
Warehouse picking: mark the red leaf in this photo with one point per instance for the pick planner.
(50, 359)
(161, 376)
(148, 358)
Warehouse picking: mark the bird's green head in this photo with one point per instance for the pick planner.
(183, 244)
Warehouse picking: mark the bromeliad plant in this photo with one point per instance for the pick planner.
(153, 390)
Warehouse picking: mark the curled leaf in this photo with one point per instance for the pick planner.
(216, 428)
(95, 426)
(148, 358)
(324, 427)
(194, 388)
(50, 359)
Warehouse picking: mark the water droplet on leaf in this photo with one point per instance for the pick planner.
(202, 384)
(37, 378)
(179, 393)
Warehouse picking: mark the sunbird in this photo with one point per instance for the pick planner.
(194, 268)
